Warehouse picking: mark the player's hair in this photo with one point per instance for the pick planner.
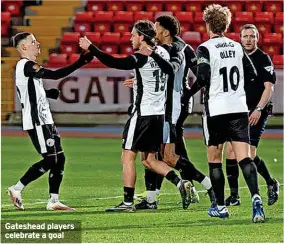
(146, 28)
(249, 26)
(19, 37)
(170, 23)
(218, 18)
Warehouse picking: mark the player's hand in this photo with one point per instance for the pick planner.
(146, 51)
(52, 93)
(254, 117)
(128, 83)
(84, 43)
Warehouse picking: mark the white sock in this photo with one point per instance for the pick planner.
(54, 196)
(128, 203)
(151, 196)
(254, 196)
(19, 186)
(206, 183)
(220, 207)
(158, 191)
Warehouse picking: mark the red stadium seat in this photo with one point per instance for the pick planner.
(278, 60)
(235, 6)
(192, 38)
(134, 6)
(83, 21)
(254, 6)
(272, 43)
(173, 6)
(57, 60)
(95, 63)
(69, 42)
(5, 23)
(193, 6)
(13, 7)
(123, 21)
(154, 7)
(199, 24)
(94, 37)
(241, 18)
(264, 27)
(234, 36)
(264, 17)
(278, 25)
(109, 42)
(185, 19)
(115, 6)
(95, 5)
(126, 46)
(158, 14)
(273, 6)
(143, 15)
(102, 21)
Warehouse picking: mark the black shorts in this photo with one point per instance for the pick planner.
(227, 127)
(257, 130)
(169, 133)
(143, 133)
(46, 139)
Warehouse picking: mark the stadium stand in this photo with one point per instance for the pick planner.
(58, 26)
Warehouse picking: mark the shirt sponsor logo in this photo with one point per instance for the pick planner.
(225, 44)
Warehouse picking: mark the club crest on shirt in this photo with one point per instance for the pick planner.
(269, 69)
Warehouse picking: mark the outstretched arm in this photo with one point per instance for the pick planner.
(33, 69)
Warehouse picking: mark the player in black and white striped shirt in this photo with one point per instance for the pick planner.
(37, 118)
(144, 130)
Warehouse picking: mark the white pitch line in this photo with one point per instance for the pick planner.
(115, 197)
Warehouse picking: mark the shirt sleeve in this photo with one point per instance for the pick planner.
(191, 59)
(33, 69)
(128, 63)
(267, 71)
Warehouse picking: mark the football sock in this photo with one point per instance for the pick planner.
(151, 196)
(232, 170)
(262, 170)
(128, 194)
(159, 181)
(249, 171)
(218, 181)
(173, 177)
(150, 178)
(38, 169)
(206, 183)
(19, 186)
(56, 174)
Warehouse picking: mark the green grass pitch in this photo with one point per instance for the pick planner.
(93, 182)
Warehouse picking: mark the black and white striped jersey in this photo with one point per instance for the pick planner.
(31, 93)
(150, 86)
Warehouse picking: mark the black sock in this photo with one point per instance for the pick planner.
(262, 170)
(218, 182)
(188, 170)
(232, 170)
(37, 170)
(56, 174)
(180, 147)
(249, 171)
(150, 180)
(159, 181)
(128, 194)
(173, 177)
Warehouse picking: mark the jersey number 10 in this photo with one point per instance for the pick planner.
(234, 70)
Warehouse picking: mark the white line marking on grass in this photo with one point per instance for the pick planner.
(115, 197)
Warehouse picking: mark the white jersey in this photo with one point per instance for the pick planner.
(149, 86)
(31, 93)
(225, 93)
